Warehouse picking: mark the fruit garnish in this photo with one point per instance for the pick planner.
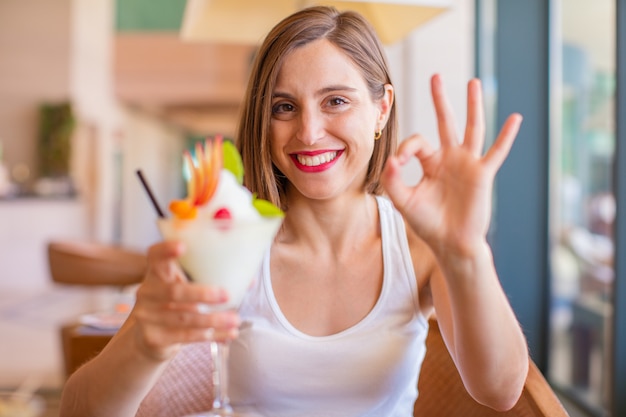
(211, 156)
(266, 208)
(204, 174)
(223, 214)
(183, 209)
(232, 160)
(209, 159)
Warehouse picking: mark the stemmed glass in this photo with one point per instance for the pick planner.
(226, 254)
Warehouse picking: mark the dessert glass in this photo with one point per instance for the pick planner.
(226, 254)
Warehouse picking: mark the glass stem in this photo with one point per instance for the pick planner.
(219, 356)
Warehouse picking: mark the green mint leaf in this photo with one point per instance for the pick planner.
(232, 160)
(267, 209)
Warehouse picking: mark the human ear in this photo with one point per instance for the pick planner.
(384, 106)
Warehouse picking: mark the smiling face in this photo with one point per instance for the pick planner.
(323, 122)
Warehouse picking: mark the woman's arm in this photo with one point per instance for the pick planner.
(164, 317)
(480, 329)
(113, 383)
(450, 209)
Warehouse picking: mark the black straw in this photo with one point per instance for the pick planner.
(157, 208)
(150, 194)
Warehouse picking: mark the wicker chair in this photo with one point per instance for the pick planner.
(442, 394)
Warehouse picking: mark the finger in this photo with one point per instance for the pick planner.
(163, 262)
(165, 250)
(182, 292)
(474, 139)
(414, 146)
(159, 338)
(191, 335)
(391, 178)
(222, 335)
(391, 181)
(443, 110)
(495, 156)
(189, 319)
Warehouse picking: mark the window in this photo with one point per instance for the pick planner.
(582, 203)
(559, 227)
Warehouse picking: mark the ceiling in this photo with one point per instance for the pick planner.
(195, 85)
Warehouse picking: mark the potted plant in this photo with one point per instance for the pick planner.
(56, 127)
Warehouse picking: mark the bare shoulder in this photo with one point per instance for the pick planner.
(424, 265)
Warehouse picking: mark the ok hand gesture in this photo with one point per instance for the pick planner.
(450, 207)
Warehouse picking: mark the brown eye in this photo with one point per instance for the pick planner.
(282, 108)
(337, 101)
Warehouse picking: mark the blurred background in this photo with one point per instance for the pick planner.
(92, 90)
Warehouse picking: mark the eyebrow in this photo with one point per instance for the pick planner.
(325, 90)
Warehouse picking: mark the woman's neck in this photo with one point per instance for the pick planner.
(330, 224)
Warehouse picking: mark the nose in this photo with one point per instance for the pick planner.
(310, 127)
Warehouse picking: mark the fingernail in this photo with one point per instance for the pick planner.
(230, 319)
(203, 308)
(222, 294)
(215, 295)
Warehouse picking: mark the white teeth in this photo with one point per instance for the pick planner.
(312, 161)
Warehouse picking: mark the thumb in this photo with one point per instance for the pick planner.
(415, 146)
(391, 180)
(163, 262)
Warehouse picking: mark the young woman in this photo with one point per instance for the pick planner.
(336, 322)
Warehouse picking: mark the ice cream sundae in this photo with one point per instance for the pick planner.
(225, 228)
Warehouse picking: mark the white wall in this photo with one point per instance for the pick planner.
(34, 61)
(156, 149)
(65, 52)
(445, 45)
(60, 50)
(34, 68)
(26, 226)
(91, 88)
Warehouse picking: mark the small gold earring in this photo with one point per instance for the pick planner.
(378, 134)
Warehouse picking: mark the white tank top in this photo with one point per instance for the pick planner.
(370, 369)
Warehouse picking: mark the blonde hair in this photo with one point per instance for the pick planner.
(350, 32)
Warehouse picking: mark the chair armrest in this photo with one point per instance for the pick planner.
(88, 263)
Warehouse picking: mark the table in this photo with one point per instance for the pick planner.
(81, 343)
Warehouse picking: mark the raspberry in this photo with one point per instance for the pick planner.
(223, 214)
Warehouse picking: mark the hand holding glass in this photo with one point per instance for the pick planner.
(226, 254)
